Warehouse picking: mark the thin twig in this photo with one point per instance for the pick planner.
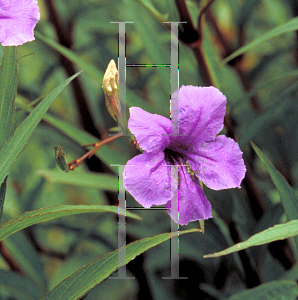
(75, 163)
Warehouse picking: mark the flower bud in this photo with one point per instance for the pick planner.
(110, 88)
(61, 159)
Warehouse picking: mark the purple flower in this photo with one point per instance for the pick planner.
(198, 152)
(17, 21)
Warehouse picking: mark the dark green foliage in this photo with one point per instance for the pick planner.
(261, 89)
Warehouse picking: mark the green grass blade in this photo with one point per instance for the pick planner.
(292, 25)
(107, 153)
(85, 279)
(256, 126)
(49, 213)
(26, 258)
(274, 290)
(14, 145)
(133, 100)
(287, 194)
(84, 179)
(22, 288)
(97, 74)
(8, 92)
(275, 233)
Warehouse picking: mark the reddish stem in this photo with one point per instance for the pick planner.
(75, 163)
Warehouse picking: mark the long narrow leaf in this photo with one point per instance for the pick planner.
(8, 92)
(97, 74)
(83, 179)
(287, 194)
(49, 213)
(14, 145)
(292, 25)
(133, 100)
(275, 290)
(277, 232)
(253, 129)
(22, 288)
(85, 279)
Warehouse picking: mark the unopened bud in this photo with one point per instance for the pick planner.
(60, 158)
(110, 88)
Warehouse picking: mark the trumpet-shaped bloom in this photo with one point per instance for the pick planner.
(197, 151)
(17, 21)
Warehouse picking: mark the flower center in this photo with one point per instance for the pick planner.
(174, 158)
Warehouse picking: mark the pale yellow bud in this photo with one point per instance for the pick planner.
(110, 88)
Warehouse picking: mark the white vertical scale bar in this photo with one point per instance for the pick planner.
(174, 226)
(174, 168)
(174, 79)
(122, 73)
(121, 229)
(121, 195)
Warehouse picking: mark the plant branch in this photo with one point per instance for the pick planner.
(76, 163)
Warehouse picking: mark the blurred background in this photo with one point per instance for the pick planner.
(261, 89)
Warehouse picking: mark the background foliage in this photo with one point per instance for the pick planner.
(261, 90)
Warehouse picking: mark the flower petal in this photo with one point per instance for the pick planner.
(220, 164)
(17, 21)
(147, 179)
(193, 204)
(201, 114)
(149, 129)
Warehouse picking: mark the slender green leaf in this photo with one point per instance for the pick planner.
(246, 11)
(49, 213)
(22, 288)
(107, 153)
(156, 13)
(84, 179)
(97, 74)
(85, 279)
(8, 92)
(292, 25)
(274, 290)
(283, 79)
(275, 233)
(287, 194)
(157, 52)
(14, 145)
(27, 258)
(256, 126)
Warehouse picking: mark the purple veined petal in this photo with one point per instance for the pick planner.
(201, 114)
(17, 21)
(147, 179)
(193, 204)
(150, 130)
(219, 163)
